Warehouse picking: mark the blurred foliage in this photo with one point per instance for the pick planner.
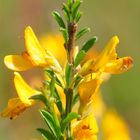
(105, 18)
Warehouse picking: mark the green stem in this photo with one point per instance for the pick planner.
(69, 97)
(72, 29)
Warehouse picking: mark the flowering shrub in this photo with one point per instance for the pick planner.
(71, 78)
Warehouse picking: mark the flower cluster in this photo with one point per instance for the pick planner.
(72, 79)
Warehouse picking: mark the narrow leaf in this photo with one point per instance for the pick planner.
(40, 97)
(50, 122)
(77, 80)
(46, 134)
(52, 85)
(66, 12)
(69, 2)
(58, 102)
(65, 34)
(58, 19)
(75, 7)
(68, 119)
(82, 32)
(78, 16)
(50, 73)
(79, 57)
(75, 99)
(89, 44)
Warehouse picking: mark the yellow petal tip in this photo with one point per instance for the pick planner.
(115, 39)
(16, 73)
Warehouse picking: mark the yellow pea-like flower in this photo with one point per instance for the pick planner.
(86, 92)
(24, 91)
(14, 108)
(85, 129)
(107, 61)
(109, 53)
(22, 102)
(87, 89)
(54, 43)
(119, 65)
(34, 56)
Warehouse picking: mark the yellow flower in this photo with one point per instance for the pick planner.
(22, 102)
(85, 129)
(55, 44)
(114, 127)
(108, 61)
(98, 106)
(119, 65)
(35, 55)
(86, 90)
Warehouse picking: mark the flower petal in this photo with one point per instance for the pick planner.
(55, 44)
(14, 108)
(86, 129)
(34, 49)
(17, 62)
(87, 89)
(24, 91)
(108, 54)
(119, 65)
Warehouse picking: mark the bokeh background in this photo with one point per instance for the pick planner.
(106, 18)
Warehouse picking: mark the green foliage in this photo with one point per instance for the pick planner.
(52, 86)
(83, 51)
(82, 32)
(58, 102)
(59, 19)
(40, 97)
(66, 11)
(65, 34)
(70, 2)
(79, 57)
(89, 44)
(75, 7)
(47, 135)
(68, 119)
(50, 73)
(78, 16)
(75, 99)
(51, 122)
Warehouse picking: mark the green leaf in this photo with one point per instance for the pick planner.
(75, 7)
(89, 44)
(52, 85)
(59, 19)
(77, 80)
(65, 34)
(50, 122)
(69, 2)
(68, 119)
(78, 16)
(40, 97)
(79, 57)
(46, 134)
(75, 99)
(82, 32)
(58, 102)
(50, 73)
(68, 74)
(66, 12)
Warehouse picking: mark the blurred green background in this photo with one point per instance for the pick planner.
(106, 18)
